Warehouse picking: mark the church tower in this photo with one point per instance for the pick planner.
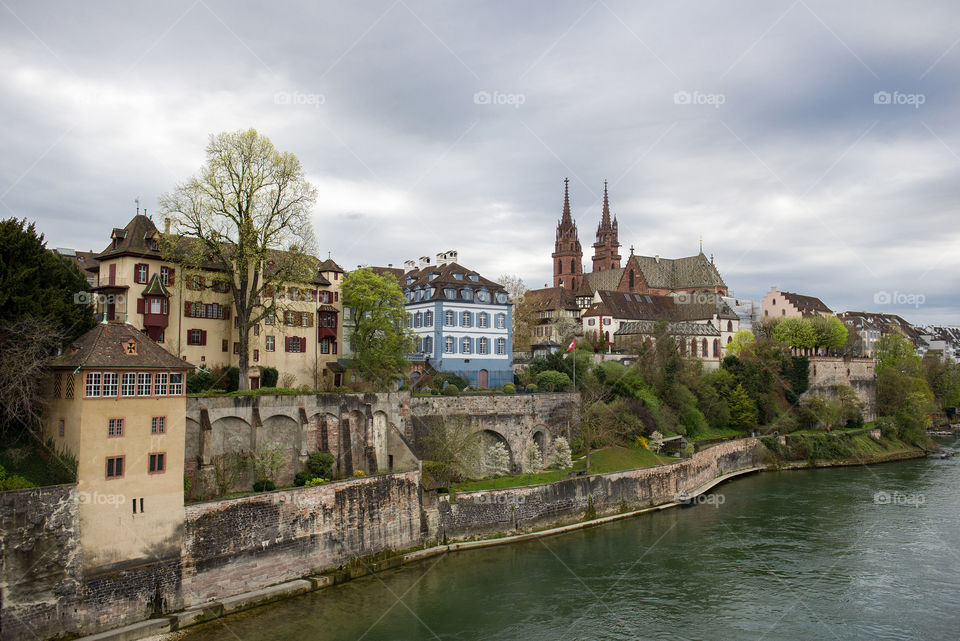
(567, 253)
(606, 253)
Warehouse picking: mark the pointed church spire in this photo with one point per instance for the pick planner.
(566, 219)
(605, 218)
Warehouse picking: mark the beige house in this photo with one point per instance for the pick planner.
(192, 316)
(777, 304)
(117, 403)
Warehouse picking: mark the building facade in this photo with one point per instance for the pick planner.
(192, 314)
(777, 304)
(117, 402)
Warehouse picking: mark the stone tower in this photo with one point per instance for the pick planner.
(567, 253)
(606, 254)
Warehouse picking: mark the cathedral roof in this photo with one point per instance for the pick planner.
(607, 279)
(679, 273)
(627, 306)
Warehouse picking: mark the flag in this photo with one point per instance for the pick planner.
(573, 345)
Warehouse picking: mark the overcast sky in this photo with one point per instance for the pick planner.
(429, 126)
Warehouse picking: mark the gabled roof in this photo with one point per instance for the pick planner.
(652, 307)
(678, 273)
(329, 266)
(155, 287)
(551, 298)
(132, 239)
(105, 346)
(677, 329)
(808, 305)
(886, 323)
(607, 279)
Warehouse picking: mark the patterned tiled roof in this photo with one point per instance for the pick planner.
(607, 279)
(106, 346)
(679, 273)
(666, 308)
(677, 329)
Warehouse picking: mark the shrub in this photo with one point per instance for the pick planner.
(269, 376)
(498, 460)
(656, 441)
(359, 473)
(451, 390)
(403, 388)
(553, 381)
(267, 460)
(264, 485)
(342, 389)
(532, 458)
(442, 378)
(320, 464)
(562, 456)
(300, 478)
(532, 388)
(641, 443)
(443, 473)
(786, 423)
(509, 388)
(317, 481)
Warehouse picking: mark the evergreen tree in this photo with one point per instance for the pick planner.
(562, 455)
(743, 411)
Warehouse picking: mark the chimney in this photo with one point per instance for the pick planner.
(657, 258)
(166, 225)
(409, 266)
(424, 261)
(389, 265)
(441, 259)
(452, 256)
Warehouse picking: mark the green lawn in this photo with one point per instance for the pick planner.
(610, 459)
(712, 433)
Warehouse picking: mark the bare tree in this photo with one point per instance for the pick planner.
(524, 313)
(27, 347)
(246, 212)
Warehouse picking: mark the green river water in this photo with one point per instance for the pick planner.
(868, 552)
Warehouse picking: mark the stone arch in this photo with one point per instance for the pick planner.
(284, 430)
(489, 438)
(232, 435)
(540, 437)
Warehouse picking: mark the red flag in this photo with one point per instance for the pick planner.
(573, 346)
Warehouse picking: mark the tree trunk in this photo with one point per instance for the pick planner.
(244, 348)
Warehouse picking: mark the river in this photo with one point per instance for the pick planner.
(869, 552)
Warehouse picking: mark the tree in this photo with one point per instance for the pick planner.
(454, 443)
(828, 331)
(562, 455)
(740, 339)
(564, 329)
(379, 336)
(498, 460)
(895, 351)
(743, 411)
(656, 441)
(795, 332)
(267, 461)
(553, 381)
(524, 312)
(532, 458)
(27, 347)
(247, 212)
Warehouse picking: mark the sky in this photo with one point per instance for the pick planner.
(812, 145)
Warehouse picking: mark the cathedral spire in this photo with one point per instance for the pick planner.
(605, 218)
(566, 219)
(606, 250)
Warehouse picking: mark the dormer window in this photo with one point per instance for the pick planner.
(450, 293)
(152, 244)
(432, 276)
(474, 278)
(458, 276)
(467, 294)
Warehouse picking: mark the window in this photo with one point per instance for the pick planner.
(224, 344)
(428, 319)
(129, 385)
(256, 330)
(195, 282)
(93, 384)
(449, 345)
(115, 467)
(157, 463)
(268, 319)
(428, 345)
(110, 383)
(482, 320)
(417, 319)
(298, 319)
(501, 346)
(256, 355)
(160, 384)
(114, 427)
(166, 276)
(483, 346)
(325, 346)
(196, 337)
(142, 272)
(271, 343)
(206, 310)
(296, 344)
(501, 321)
(729, 326)
(419, 345)
(449, 319)
(62, 427)
(143, 384)
(176, 384)
(158, 425)
(156, 306)
(465, 345)
(466, 319)
(409, 320)
(221, 286)
(236, 348)
(467, 294)
(606, 321)
(591, 322)
(450, 293)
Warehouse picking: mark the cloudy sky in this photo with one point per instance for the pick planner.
(814, 145)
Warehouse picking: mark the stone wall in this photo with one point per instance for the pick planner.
(43, 590)
(512, 419)
(526, 508)
(251, 542)
(355, 428)
(858, 373)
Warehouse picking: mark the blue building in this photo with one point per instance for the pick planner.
(463, 322)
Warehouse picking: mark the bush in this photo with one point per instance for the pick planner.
(269, 376)
(553, 381)
(532, 458)
(342, 389)
(443, 473)
(562, 456)
(532, 388)
(509, 388)
(301, 478)
(442, 378)
(359, 473)
(451, 390)
(316, 481)
(264, 485)
(320, 464)
(786, 423)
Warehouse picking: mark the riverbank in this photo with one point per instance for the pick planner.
(612, 487)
